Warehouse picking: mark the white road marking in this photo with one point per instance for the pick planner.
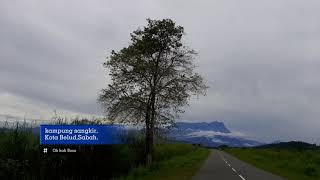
(231, 167)
(241, 177)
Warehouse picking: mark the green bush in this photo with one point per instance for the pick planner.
(20, 157)
(310, 171)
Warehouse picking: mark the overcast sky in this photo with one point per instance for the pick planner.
(261, 59)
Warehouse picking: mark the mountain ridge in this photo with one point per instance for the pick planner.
(216, 125)
(209, 134)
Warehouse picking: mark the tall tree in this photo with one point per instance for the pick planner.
(152, 79)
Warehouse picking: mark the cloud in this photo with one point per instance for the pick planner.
(260, 58)
(212, 134)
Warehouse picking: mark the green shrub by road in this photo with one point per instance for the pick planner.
(172, 162)
(288, 163)
(21, 158)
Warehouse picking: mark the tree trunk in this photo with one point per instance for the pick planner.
(150, 131)
(148, 146)
(151, 120)
(149, 149)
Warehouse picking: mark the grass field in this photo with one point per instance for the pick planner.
(20, 158)
(288, 163)
(172, 162)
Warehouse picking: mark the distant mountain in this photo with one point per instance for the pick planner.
(203, 126)
(276, 142)
(211, 134)
(297, 145)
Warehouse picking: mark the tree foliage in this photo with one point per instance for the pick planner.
(152, 79)
(155, 63)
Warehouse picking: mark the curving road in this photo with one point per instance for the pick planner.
(222, 166)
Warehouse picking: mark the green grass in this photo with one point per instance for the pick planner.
(172, 162)
(20, 158)
(290, 164)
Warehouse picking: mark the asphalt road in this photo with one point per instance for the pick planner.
(222, 166)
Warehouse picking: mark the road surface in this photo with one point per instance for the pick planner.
(222, 166)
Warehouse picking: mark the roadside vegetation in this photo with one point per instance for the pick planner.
(21, 158)
(172, 162)
(293, 161)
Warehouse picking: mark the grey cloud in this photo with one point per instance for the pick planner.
(260, 58)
